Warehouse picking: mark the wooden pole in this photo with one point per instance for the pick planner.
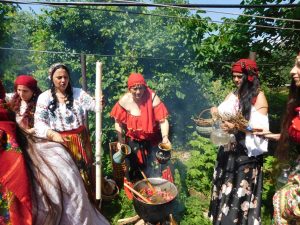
(98, 94)
(252, 56)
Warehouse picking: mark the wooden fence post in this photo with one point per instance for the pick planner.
(252, 56)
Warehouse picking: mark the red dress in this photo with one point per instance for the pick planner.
(140, 140)
(133, 124)
(14, 181)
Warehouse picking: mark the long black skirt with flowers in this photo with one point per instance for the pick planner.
(237, 188)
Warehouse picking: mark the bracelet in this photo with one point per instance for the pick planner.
(164, 136)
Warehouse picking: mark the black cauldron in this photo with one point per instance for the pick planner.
(158, 212)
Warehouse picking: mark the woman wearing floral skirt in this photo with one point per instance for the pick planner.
(237, 181)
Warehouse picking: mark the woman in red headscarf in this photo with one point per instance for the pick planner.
(237, 181)
(39, 181)
(23, 101)
(143, 117)
(15, 190)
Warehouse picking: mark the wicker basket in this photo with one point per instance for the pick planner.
(204, 131)
(204, 125)
(118, 169)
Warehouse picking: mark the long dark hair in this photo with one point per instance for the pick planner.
(28, 116)
(282, 149)
(69, 92)
(21, 138)
(247, 94)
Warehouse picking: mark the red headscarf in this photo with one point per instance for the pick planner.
(134, 79)
(247, 67)
(13, 172)
(237, 67)
(146, 107)
(27, 81)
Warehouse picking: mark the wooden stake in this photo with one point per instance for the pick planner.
(128, 220)
(148, 182)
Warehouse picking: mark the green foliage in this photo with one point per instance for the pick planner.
(194, 181)
(277, 98)
(277, 48)
(196, 212)
(269, 181)
(201, 164)
(7, 12)
(118, 208)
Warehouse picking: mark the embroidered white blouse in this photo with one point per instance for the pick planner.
(254, 144)
(63, 119)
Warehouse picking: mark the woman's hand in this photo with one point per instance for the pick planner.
(55, 136)
(166, 140)
(58, 138)
(31, 130)
(267, 134)
(227, 126)
(272, 136)
(214, 111)
(119, 130)
(165, 143)
(119, 144)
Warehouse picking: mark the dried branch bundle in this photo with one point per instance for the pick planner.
(238, 120)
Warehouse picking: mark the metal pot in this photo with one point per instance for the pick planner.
(158, 212)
